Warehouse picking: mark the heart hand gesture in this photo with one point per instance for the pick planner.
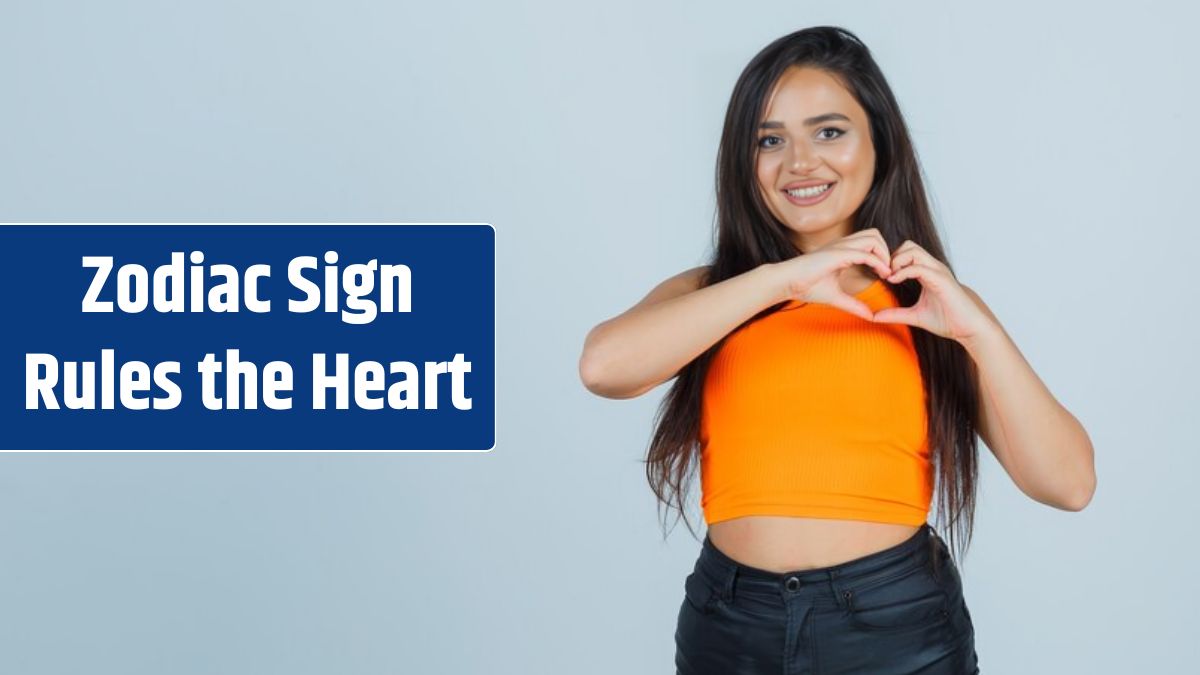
(944, 308)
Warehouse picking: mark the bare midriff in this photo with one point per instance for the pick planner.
(789, 544)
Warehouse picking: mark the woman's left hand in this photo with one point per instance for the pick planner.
(944, 308)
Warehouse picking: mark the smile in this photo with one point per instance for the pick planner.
(810, 195)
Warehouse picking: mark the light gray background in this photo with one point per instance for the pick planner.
(1060, 144)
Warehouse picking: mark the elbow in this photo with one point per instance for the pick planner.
(1080, 491)
(1085, 484)
(602, 373)
(593, 371)
(591, 374)
(1081, 496)
(595, 379)
(1072, 494)
(590, 369)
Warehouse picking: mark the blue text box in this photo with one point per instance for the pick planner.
(450, 290)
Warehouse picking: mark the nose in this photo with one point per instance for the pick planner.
(802, 158)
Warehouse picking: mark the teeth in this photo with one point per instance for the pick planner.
(804, 193)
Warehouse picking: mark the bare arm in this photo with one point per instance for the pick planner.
(1042, 446)
(639, 349)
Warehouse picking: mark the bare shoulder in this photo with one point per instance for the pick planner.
(679, 284)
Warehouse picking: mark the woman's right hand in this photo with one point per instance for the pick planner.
(813, 276)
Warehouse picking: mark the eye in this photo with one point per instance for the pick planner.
(830, 138)
(762, 142)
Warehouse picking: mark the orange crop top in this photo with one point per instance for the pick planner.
(813, 411)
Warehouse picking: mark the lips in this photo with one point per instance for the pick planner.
(809, 201)
(795, 185)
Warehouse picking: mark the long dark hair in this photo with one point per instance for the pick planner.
(748, 235)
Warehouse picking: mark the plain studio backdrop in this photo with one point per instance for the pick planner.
(1059, 145)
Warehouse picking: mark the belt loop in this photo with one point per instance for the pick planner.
(730, 580)
(935, 550)
(836, 587)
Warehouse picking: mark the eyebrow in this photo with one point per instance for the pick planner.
(827, 117)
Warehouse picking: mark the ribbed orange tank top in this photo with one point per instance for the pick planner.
(813, 411)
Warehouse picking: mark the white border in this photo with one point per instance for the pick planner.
(495, 360)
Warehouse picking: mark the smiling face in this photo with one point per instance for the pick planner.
(814, 133)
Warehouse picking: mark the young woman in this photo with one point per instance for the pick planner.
(829, 370)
